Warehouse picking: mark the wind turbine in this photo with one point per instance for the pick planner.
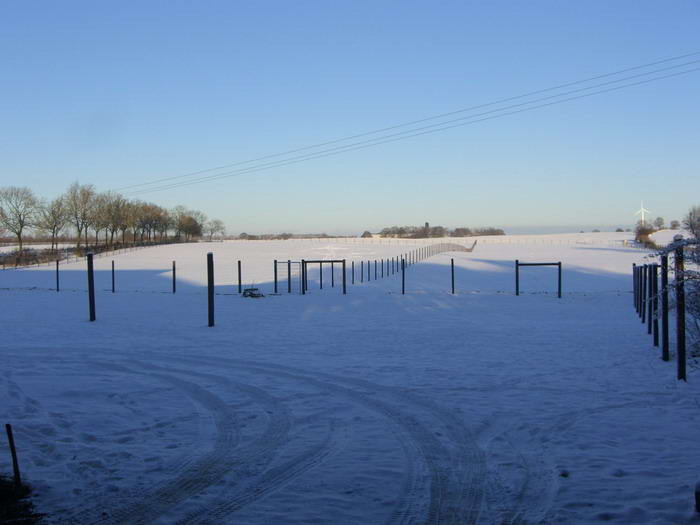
(642, 211)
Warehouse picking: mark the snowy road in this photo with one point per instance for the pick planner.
(430, 408)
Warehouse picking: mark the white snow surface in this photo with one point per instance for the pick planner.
(373, 407)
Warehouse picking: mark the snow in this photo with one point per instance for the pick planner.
(665, 237)
(374, 407)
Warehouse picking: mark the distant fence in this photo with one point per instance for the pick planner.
(64, 256)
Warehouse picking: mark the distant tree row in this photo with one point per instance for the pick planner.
(427, 231)
(84, 214)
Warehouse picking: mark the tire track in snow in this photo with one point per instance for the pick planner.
(259, 456)
(195, 476)
(456, 469)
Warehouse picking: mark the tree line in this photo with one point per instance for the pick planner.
(427, 231)
(90, 215)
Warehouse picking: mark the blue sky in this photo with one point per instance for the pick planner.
(121, 93)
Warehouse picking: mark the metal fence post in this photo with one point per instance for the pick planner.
(58, 284)
(680, 313)
(352, 271)
(559, 281)
(289, 276)
(91, 286)
(320, 275)
(112, 276)
(344, 287)
(332, 275)
(655, 302)
(275, 275)
(517, 277)
(664, 308)
(174, 286)
(303, 277)
(240, 283)
(643, 303)
(452, 264)
(650, 296)
(403, 276)
(210, 287)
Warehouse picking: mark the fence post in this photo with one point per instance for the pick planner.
(58, 285)
(275, 273)
(344, 287)
(642, 313)
(650, 296)
(655, 301)
(91, 286)
(664, 308)
(320, 273)
(112, 276)
(680, 312)
(517, 277)
(174, 286)
(362, 271)
(452, 264)
(634, 284)
(369, 272)
(303, 277)
(352, 270)
(210, 287)
(559, 281)
(375, 269)
(13, 452)
(289, 276)
(403, 276)
(240, 285)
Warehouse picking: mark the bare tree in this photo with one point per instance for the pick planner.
(18, 208)
(53, 217)
(213, 227)
(691, 221)
(79, 202)
(659, 223)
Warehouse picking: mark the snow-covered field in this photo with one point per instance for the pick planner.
(374, 407)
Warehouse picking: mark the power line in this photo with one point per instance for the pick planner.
(410, 123)
(435, 128)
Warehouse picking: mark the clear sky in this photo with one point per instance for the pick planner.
(120, 93)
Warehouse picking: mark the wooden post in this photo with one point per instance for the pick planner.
(332, 275)
(362, 271)
(655, 302)
(58, 284)
(210, 287)
(452, 264)
(112, 276)
(650, 297)
(352, 271)
(240, 282)
(517, 277)
(303, 277)
(174, 277)
(289, 276)
(634, 285)
(344, 287)
(403, 276)
(559, 281)
(375, 269)
(664, 308)
(275, 275)
(642, 313)
(13, 453)
(680, 313)
(91, 286)
(320, 274)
